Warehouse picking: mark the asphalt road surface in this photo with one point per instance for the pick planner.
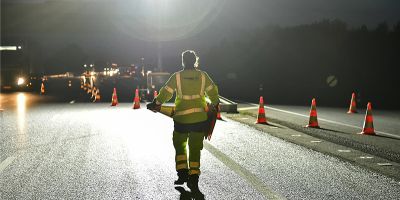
(94, 151)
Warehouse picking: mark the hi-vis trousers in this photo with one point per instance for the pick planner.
(195, 140)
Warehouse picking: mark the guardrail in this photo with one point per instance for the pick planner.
(227, 105)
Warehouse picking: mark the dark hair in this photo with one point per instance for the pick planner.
(189, 59)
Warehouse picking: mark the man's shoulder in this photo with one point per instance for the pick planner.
(178, 72)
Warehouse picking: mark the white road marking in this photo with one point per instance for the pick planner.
(6, 163)
(344, 151)
(296, 135)
(247, 108)
(243, 172)
(321, 119)
(384, 164)
(366, 157)
(315, 141)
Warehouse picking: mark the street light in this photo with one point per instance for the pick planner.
(84, 65)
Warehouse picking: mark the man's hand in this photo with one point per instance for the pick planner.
(153, 106)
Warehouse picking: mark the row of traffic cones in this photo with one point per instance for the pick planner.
(136, 99)
(368, 127)
(93, 91)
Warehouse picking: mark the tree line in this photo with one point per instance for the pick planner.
(326, 60)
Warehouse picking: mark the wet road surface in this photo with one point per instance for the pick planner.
(94, 151)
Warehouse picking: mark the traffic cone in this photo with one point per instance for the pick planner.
(93, 92)
(219, 116)
(97, 96)
(155, 94)
(114, 99)
(89, 90)
(261, 119)
(313, 122)
(368, 127)
(42, 88)
(136, 102)
(219, 113)
(353, 105)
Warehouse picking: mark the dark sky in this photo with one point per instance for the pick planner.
(125, 31)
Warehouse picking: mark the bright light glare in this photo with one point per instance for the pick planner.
(21, 102)
(166, 20)
(20, 81)
(8, 48)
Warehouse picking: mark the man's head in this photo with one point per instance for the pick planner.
(189, 59)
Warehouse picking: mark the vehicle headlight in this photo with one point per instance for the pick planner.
(20, 81)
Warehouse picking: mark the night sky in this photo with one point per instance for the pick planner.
(125, 31)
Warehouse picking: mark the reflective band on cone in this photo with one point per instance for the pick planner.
(368, 127)
(261, 119)
(353, 105)
(313, 121)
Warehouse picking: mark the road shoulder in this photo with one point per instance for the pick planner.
(369, 161)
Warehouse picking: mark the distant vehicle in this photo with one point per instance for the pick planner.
(14, 80)
(155, 80)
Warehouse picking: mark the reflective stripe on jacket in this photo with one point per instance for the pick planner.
(191, 87)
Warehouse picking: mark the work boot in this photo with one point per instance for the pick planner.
(182, 177)
(193, 183)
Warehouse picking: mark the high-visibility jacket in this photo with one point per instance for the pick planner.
(191, 87)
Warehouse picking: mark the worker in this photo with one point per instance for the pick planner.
(190, 119)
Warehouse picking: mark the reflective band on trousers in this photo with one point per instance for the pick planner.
(181, 157)
(181, 166)
(194, 171)
(191, 97)
(189, 111)
(194, 164)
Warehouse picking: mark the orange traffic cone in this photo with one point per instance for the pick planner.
(136, 102)
(155, 93)
(261, 119)
(313, 122)
(219, 113)
(42, 88)
(89, 90)
(93, 92)
(114, 99)
(97, 96)
(353, 105)
(368, 128)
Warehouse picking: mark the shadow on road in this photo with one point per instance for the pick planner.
(187, 195)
